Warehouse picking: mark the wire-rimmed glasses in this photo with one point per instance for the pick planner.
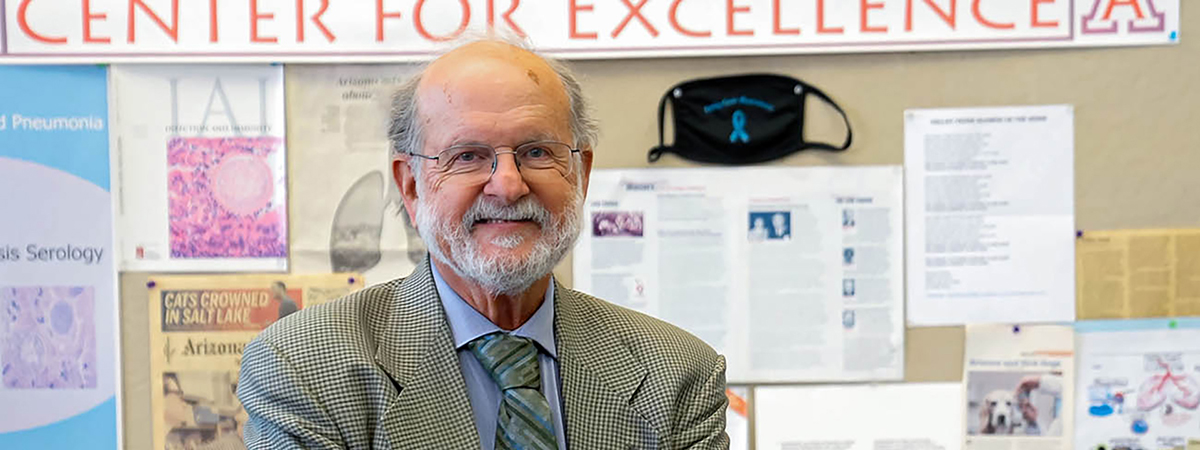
(475, 163)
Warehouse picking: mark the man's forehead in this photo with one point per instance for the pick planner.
(491, 68)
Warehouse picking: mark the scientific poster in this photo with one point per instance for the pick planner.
(911, 416)
(58, 310)
(990, 215)
(346, 214)
(794, 274)
(1138, 273)
(201, 168)
(199, 326)
(1139, 384)
(1019, 383)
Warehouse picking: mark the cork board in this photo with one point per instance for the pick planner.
(1137, 149)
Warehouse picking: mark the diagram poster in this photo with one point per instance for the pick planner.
(199, 326)
(58, 312)
(1139, 384)
(201, 168)
(347, 215)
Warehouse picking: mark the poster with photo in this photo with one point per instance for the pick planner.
(59, 353)
(1019, 383)
(201, 168)
(795, 277)
(199, 326)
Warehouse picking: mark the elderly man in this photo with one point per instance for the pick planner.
(479, 347)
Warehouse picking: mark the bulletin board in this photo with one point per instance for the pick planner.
(1136, 161)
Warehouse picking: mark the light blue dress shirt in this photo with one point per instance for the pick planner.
(466, 324)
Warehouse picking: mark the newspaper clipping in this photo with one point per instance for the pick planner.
(1138, 274)
(347, 215)
(199, 326)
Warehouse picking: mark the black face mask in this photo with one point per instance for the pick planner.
(742, 119)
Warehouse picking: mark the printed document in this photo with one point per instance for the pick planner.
(990, 214)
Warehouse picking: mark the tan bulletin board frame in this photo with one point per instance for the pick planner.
(1137, 144)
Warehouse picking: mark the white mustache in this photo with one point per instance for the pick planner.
(524, 209)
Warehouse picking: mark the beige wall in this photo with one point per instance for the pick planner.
(1137, 143)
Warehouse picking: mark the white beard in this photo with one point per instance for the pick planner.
(501, 273)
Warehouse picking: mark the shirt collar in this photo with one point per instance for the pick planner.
(466, 323)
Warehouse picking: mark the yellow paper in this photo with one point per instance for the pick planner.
(1138, 273)
(199, 326)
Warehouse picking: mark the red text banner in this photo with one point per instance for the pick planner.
(402, 30)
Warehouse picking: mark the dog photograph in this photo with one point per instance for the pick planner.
(1014, 404)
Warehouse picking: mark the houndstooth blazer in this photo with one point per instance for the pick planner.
(378, 369)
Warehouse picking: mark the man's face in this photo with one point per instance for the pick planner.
(778, 221)
(512, 229)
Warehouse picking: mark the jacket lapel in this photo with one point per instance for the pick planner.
(416, 350)
(600, 377)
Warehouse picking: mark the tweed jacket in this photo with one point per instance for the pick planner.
(378, 369)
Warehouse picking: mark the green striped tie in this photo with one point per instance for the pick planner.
(524, 421)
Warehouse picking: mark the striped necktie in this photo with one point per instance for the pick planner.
(524, 421)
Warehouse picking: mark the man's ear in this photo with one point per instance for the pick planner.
(586, 156)
(406, 182)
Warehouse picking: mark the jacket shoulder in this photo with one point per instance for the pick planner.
(329, 332)
(653, 341)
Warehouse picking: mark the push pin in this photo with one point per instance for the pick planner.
(1078, 234)
(1016, 329)
(151, 284)
(1173, 324)
(351, 280)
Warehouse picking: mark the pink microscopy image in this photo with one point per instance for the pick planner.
(49, 337)
(221, 198)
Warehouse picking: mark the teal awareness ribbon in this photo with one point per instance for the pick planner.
(739, 128)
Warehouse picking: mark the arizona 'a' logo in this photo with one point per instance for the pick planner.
(1139, 16)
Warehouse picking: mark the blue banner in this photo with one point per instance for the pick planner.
(58, 310)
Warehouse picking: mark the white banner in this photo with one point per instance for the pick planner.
(399, 30)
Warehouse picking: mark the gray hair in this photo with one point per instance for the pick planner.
(405, 131)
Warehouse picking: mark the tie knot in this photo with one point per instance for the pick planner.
(512, 361)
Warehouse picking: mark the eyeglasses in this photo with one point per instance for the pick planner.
(475, 163)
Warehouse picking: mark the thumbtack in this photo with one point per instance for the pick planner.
(1078, 234)
(1016, 329)
(351, 280)
(1174, 35)
(151, 284)
(1173, 324)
